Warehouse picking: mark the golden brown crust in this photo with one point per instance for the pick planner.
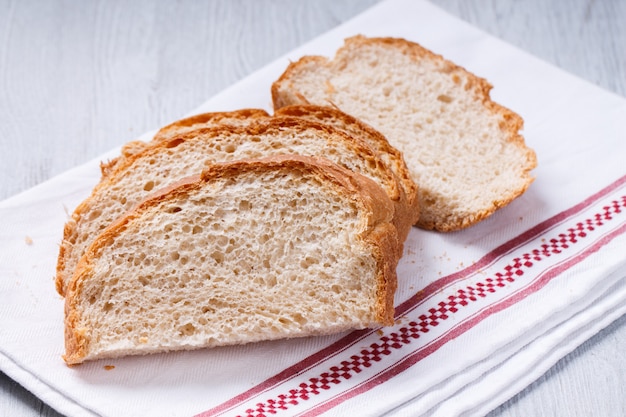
(128, 149)
(283, 94)
(378, 231)
(383, 237)
(210, 118)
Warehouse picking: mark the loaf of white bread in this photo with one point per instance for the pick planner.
(463, 150)
(287, 246)
(241, 226)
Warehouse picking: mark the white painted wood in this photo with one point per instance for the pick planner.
(78, 78)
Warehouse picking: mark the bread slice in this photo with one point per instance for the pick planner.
(251, 250)
(227, 118)
(464, 151)
(168, 161)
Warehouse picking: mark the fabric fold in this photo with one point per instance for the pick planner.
(481, 313)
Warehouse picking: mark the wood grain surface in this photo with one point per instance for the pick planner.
(79, 78)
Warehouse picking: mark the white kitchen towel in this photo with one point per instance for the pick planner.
(481, 313)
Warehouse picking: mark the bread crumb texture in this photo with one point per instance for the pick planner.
(263, 254)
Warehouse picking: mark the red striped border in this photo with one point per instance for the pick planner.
(273, 406)
(507, 247)
(464, 326)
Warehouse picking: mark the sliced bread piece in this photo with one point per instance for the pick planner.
(226, 118)
(168, 161)
(251, 250)
(464, 151)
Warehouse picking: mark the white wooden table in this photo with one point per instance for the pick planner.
(79, 78)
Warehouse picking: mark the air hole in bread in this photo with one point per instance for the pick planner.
(174, 209)
(299, 318)
(94, 215)
(196, 230)
(174, 143)
(188, 330)
(444, 98)
(308, 261)
(208, 310)
(270, 281)
(148, 186)
(218, 257)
